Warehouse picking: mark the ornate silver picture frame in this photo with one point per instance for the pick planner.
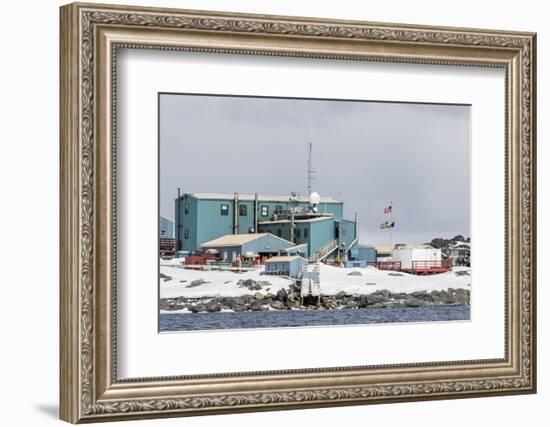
(91, 37)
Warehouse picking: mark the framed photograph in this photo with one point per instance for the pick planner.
(267, 212)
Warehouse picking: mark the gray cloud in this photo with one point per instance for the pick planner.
(366, 154)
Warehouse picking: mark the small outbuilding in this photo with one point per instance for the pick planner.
(422, 259)
(460, 254)
(290, 266)
(383, 252)
(364, 253)
(232, 246)
(411, 255)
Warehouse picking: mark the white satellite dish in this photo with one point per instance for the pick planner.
(314, 198)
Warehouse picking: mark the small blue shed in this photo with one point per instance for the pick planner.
(363, 253)
(290, 266)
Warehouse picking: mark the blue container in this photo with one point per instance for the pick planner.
(182, 254)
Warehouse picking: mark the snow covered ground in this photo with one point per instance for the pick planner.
(333, 280)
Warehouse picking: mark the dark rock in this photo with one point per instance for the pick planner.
(355, 273)
(259, 296)
(378, 305)
(198, 308)
(438, 297)
(245, 299)
(277, 305)
(422, 295)
(257, 306)
(414, 302)
(379, 296)
(362, 301)
(462, 273)
(212, 307)
(165, 277)
(293, 296)
(251, 284)
(196, 283)
(463, 296)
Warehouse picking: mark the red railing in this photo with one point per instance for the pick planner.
(386, 265)
(444, 264)
(416, 267)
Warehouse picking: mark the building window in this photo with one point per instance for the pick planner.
(278, 210)
(224, 210)
(242, 210)
(186, 234)
(186, 209)
(306, 233)
(298, 233)
(279, 232)
(264, 210)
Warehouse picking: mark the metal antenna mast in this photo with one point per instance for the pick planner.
(310, 170)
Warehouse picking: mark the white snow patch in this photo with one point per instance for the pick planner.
(333, 281)
(220, 283)
(172, 261)
(179, 311)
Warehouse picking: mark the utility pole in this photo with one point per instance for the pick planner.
(310, 170)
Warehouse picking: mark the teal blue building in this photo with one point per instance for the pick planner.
(290, 266)
(166, 227)
(202, 217)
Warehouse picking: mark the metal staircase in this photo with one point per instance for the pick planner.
(325, 251)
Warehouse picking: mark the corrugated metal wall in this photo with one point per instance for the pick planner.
(292, 268)
(246, 223)
(203, 220)
(364, 253)
(211, 223)
(266, 244)
(337, 209)
(283, 228)
(347, 233)
(263, 245)
(321, 232)
(186, 223)
(166, 227)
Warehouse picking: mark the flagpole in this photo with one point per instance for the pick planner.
(391, 228)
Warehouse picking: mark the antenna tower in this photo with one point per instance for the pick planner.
(310, 170)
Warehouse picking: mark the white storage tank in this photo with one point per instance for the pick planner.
(407, 254)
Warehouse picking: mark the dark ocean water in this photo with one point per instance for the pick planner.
(280, 319)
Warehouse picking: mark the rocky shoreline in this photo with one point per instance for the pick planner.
(290, 299)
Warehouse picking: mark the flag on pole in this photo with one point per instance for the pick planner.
(387, 210)
(387, 224)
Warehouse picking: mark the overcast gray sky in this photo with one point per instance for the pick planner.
(365, 153)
